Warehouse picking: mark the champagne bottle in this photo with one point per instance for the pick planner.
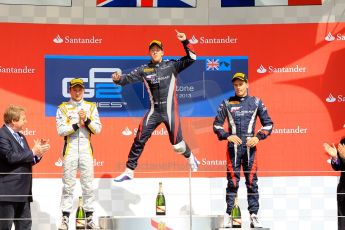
(160, 201)
(80, 216)
(236, 215)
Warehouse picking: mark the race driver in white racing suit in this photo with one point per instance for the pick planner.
(76, 121)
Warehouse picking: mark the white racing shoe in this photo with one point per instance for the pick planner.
(90, 225)
(254, 221)
(128, 174)
(227, 222)
(193, 163)
(64, 223)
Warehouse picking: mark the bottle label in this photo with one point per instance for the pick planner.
(160, 209)
(236, 222)
(80, 223)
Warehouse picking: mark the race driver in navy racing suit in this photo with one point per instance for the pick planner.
(159, 76)
(241, 112)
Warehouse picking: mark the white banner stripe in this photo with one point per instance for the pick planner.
(271, 2)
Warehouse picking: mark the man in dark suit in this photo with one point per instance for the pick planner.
(338, 164)
(16, 160)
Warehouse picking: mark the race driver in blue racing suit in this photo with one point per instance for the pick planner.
(241, 112)
(159, 77)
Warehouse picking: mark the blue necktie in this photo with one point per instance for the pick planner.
(19, 139)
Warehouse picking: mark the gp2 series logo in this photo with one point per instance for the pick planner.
(99, 88)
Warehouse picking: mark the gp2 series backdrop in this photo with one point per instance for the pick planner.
(295, 69)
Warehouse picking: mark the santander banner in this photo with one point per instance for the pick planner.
(295, 69)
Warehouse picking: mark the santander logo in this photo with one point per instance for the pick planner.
(127, 132)
(157, 132)
(193, 40)
(285, 69)
(339, 37)
(58, 39)
(329, 37)
(58, 163)
(261, 69)
(96, 163)
(227, 39)
(90, 39)
(330, 98)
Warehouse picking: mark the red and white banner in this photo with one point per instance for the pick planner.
(294, 68)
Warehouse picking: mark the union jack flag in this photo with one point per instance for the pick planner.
(146, 3)
(212, 64)
(235, 3)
